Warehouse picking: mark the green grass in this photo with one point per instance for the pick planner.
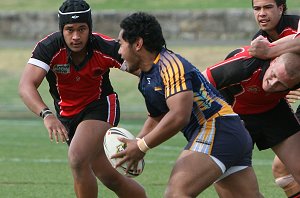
(33, 167)
(149, 5)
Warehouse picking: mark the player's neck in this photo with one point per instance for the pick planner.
(147, 61)
(78, 57)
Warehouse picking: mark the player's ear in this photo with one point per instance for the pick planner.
(139, 43)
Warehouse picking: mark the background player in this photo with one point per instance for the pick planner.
(274, 24)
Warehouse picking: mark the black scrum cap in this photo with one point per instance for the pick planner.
(74, 11)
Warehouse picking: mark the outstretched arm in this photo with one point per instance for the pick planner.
(31, 79)
(261, 48)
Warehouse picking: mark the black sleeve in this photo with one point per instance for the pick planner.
(234, 70)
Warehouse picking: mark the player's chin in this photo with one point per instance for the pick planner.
(76, 48)
(267, 88)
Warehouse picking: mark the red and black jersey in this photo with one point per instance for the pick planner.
(74, 87)
(241, 77)
(287, 25)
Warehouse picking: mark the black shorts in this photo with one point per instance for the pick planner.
(298, 112)
(270, 128)
(106, 109)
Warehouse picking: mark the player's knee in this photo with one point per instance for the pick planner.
(173, 192)
(284, 181)
(76, 163)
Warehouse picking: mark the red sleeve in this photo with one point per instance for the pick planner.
(238, 67)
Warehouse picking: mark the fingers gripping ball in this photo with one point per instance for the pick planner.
(112, 146)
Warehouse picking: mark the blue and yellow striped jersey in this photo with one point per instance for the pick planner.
(171, 74)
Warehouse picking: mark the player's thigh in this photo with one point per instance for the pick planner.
(87, 142)
(288, 152)
(193, 172)
(239, 184)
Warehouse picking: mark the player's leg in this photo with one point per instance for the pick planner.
(239, 180)
(193, 172)
(83, 149)
(288, 152)
(123, 186)
(284, 179)
(245, 180)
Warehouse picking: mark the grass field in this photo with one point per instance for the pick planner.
(21, 5)
(33, 167)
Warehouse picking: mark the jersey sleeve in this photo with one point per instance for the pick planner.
(174, 75)
(237, 67)
(44, 51)
(109, 47)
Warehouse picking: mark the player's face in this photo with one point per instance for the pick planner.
(267, 14)
(275, 78)
(76, 36)
(128, 53)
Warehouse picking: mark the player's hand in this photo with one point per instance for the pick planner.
(293, 96)
(130, 155)
(260, 48)
(56, 129)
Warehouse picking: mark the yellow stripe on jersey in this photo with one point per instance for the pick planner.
(226, 109)
(172, 72)
(205, 139)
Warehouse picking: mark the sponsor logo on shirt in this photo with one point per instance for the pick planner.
(62, 68)
(253, 89)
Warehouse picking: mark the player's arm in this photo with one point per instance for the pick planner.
(231, 71)
(31, 79)
(178, 116)
(180, 108)
(264, 50)
(149, 125)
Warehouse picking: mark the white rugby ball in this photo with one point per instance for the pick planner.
(112, 146)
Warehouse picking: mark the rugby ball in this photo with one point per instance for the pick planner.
(112, 146)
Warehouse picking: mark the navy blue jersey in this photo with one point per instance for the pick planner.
(171, 74)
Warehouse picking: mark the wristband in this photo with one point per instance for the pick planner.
(142, 145)
(45, 113)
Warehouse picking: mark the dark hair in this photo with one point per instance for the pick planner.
(279, 3)
(74, 11)
(145, 26)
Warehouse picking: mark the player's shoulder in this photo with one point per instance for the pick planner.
(51, 42)
(291, 17)
(104, 43)
(104, 37)
(290, 21)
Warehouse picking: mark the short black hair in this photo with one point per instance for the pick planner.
(279, 3)
(145, 26)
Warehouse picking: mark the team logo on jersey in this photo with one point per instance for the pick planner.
(253, 89)
(62, 68)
